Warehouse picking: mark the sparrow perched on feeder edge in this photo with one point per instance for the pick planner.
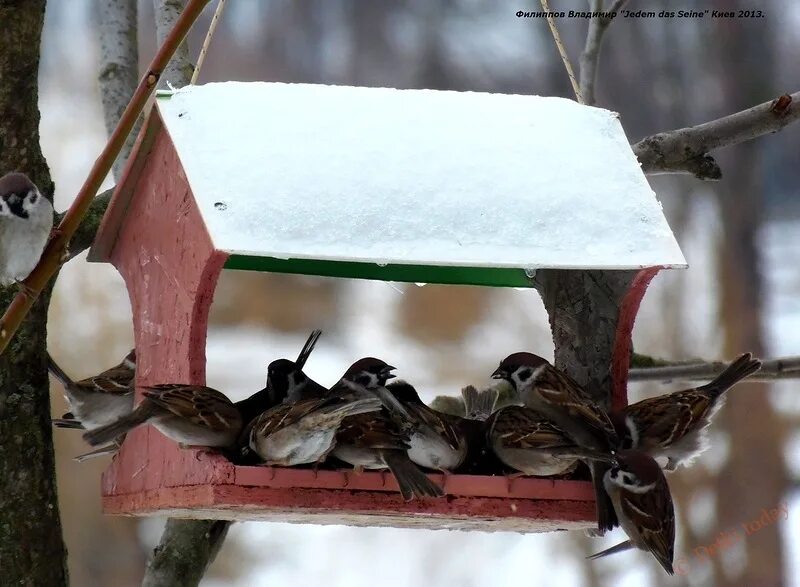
(192, 415)
(97, 401)
(643, 503)
(26, 220)
(375, 440)
(528, 442)
(437, 440)
(563, 401)
(304, 431)
(674, 426)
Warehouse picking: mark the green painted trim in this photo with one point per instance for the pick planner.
(489, 276)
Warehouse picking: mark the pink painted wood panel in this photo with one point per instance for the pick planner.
(170, 268)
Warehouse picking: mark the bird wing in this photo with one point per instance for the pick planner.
(653, 515)
(117, 381)
(198, 404)
(371, 430)
(665, 419)
(517, 427)
(284, 415)
(564, 393)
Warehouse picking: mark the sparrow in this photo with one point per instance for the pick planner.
(304, 431)
(99, 400)
(674, 426)
(379, 440)
(286, 381)
(560, 399)
(643, 503)
(533, 445)
(192, 415)
(437, 440)
(26, 220)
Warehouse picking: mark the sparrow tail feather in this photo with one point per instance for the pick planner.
(58, 373)
(412, 481)
(606, 516)
(621, 547)
(109, 432)
(479, 405)
(68, 423)
(742, 367)
(99, 452)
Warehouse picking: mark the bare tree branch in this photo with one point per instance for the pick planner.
(119, 67)
(685, 150)
(772, 369)
(180, 69)
(591, 50)
(186, 549)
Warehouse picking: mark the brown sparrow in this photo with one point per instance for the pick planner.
(560, 399)
(643, 503)
(192, 415)
(437, 440)
(303, 431)
(378, 440)
(531, 444)
(674, 426)
(26, 219)
(99, 400)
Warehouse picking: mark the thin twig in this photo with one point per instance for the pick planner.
(782, 368)
(591, 50)
(562, 51)
(207, 41)
(56, 247)
(685, 150)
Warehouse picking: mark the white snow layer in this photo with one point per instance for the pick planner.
(416, 177)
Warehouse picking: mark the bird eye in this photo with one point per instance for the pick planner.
(525, 374)
(33, 196)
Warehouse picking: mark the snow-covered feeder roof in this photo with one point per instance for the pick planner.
(413, 185)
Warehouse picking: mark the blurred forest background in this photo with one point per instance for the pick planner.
(741, 237)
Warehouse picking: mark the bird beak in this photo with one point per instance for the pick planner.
(499, 373)
(387, 372)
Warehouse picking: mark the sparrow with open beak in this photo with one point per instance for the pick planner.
(674, 426)
(437, 440)
(560, 399)
(26, 220)
(192, 415)
(643, 503)
(379, 440)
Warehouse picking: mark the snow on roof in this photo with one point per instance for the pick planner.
(416, 177)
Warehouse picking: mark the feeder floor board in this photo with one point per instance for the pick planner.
(486, 503)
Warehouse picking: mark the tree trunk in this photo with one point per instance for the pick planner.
(119, 67)
(180, 68)
(32, 551)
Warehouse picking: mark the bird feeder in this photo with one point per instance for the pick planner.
(394, 185)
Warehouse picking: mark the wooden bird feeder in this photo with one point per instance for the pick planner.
(396, 185)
